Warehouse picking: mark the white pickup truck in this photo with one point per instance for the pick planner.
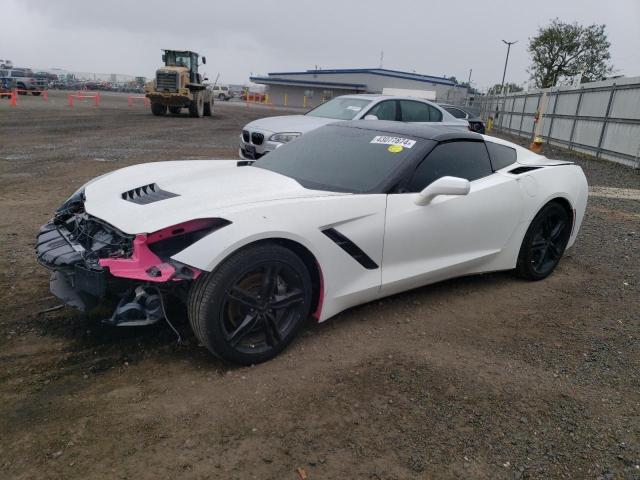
(221, 92)
(24, 79)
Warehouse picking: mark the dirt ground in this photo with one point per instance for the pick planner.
(480, 377)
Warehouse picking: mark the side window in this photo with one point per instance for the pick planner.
(415, 111)
(501, 155)
(456, 112)
(435, 114)
(385, 110)
(454, 159)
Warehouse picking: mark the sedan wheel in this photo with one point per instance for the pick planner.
(544, 242)
(252, 306)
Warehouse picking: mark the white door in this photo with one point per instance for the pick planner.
(452, 235)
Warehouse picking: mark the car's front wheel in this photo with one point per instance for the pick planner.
(545, 242)
(252, 306)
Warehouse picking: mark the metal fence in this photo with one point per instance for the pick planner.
(601, 119)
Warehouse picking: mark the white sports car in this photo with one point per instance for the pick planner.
(346, 214)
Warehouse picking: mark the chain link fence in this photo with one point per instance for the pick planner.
(601, 119)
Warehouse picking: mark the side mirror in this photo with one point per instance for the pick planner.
(370, 117)
(204, 60)
(443, 186)
(164, 57)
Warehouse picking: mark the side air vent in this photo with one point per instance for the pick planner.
(147, 194)
(519, 170)
(351, 248)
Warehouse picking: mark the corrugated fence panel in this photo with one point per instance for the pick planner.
(515, 122)
(587, 132)
(561, 129)
(517, 104)
(594, 104)
(622, 137)
(532, 104)
(567, 103)
(527, 124)
(626, 103)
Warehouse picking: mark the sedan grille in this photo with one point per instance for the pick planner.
(167, 81)
(257, 138)
(245, 136)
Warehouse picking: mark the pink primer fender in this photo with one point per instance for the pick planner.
(138, 265)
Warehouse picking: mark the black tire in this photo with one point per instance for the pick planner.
(221, 96)
(35, 94)
(252, 306)
(208, 107)
(196, 107)
(175, 110)
(545, 242)
(158, 109)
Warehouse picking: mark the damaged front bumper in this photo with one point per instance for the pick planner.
(94, 263)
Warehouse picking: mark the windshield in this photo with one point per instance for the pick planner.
(342, 159)
(340, 108)
(178, 59)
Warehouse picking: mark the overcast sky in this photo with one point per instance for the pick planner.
(240, 38)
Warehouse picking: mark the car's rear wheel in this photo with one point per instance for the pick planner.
(545, 242)
(252, 306)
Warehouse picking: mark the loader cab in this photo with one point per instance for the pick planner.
(187, 59)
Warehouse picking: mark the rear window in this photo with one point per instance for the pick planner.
(342, 159)
(501, 155)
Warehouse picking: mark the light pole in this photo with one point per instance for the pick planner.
(504, 73)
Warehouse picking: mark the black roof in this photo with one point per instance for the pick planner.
(436, 132)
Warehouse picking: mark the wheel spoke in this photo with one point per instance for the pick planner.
(546, 227)
(245, 327)
(241, 295)
(269, 281)
(554, 250)
(557, 230)
(282, 302)
(271, 329)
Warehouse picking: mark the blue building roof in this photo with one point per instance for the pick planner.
(308, 83)
(375, 71)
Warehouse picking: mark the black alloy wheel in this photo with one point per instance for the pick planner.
(544, 242)
(251, 307)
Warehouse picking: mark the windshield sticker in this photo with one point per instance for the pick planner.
(384, 140)
(395, 148)
(354, 108)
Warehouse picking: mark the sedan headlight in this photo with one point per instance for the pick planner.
(284, 137)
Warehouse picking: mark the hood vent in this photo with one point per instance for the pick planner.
(147, 194)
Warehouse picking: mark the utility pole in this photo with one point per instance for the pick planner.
(504, 73)
(469, 81)
(381, 57)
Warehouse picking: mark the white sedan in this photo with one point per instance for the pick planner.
(266, 134)
(349, 213)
